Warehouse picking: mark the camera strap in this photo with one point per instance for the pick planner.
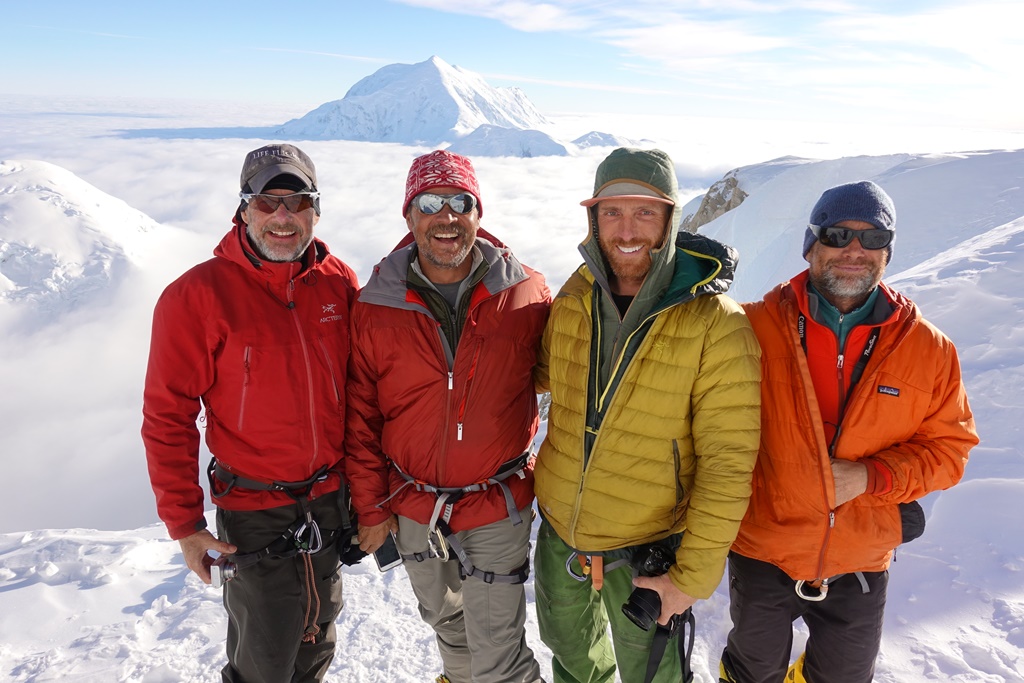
(680, 627)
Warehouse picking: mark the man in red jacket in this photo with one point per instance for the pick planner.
(442, 415)
(258, 337)
(863, 412)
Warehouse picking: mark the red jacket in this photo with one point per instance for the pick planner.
(447, 426)
(908, 414)
(263, 347)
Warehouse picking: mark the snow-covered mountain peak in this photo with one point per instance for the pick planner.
(425, 103)
(61, 239)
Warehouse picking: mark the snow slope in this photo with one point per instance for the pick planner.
(62, 241)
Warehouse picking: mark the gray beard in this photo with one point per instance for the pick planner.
(836, 287)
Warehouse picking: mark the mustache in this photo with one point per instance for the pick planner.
(281, 226)
(446, 228)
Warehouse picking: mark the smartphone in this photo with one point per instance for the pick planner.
(387, 556)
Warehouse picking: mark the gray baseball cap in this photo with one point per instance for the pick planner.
(266, 163)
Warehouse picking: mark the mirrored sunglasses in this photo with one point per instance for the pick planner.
(430, 203)
(837, 237)
(268, 203)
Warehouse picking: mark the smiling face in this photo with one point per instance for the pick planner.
(627, 231)
(444, 239)
(280, 236)
(845, 276)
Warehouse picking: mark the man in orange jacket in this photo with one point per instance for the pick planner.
(863, 412)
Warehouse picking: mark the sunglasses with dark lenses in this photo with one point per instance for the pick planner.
(837, 237)
(268, 203)
(430, 204)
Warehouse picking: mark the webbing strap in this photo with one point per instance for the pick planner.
(232, 479)
(677, 628)
(823, 585)
(446, 539)
(513, 468)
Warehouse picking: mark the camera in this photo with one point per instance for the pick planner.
(222, 570)
(644, 605)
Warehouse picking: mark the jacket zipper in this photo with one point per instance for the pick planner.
(603, 396)
(461, 416)
(450, 372)
(245, 386)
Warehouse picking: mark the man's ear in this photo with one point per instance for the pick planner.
(408, 220)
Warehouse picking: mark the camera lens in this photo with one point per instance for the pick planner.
(643, 607)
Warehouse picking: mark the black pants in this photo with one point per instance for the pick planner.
(267, 602)
(845, 629)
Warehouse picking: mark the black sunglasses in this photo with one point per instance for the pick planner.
(430, 203)
(268, 203)
(837, 237)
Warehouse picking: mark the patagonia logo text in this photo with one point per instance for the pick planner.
(892, 391)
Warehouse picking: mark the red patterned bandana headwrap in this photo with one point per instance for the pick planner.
(441, 169)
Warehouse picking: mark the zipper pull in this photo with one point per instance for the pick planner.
(831, 518)
(459, 437)
(839, 361)
(451, 380)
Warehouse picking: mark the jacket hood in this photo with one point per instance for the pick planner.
(235, 247)
(652, 171)
(387, 285)
(716, 261)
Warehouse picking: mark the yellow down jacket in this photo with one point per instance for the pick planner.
(679, 436)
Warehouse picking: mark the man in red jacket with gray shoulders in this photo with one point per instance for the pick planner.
(258, 337)
(442, 415)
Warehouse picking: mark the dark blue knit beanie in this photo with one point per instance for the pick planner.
(860, 201)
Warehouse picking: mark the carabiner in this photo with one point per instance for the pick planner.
(822, 591)
(440, 548)
(307, 538)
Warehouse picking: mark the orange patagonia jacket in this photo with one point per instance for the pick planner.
(908, 413)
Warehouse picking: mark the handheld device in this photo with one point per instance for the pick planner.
(221, 571)
(387, 556)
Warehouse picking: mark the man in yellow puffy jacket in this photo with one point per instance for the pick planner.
(864, 412)
(652, 433)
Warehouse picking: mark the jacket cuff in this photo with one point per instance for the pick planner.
(179, 532)
(879, 477)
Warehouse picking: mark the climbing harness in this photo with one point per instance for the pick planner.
(442, 541)
(303, 537)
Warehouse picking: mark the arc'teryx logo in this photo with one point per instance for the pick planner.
(330, 308)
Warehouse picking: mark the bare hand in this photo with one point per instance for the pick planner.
(372, 537)
(194, 548)
(673, 600)
(851, 480)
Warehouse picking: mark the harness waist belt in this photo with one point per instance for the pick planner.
(232, 479)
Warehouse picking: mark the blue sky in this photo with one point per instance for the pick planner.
(952, 62)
